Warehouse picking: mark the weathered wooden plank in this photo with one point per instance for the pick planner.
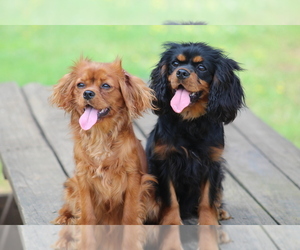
(247, 237)
(238, 237)
(16, 121)
(146, 123)
(30, 165)
(54, 123)
(241, 206)
(281, 152)
(139, 134)
(10, 238)
(285, 237)
(45, 237)
(36, 180)
(266, 184)
(39, 237)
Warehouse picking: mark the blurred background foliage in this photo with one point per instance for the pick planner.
(270, 56)
(91, 12)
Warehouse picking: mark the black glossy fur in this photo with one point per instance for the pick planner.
(188, 159)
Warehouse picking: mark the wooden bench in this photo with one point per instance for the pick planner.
(262, 174)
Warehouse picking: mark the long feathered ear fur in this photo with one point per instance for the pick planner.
(137, 96)
(159, 83)
(62, 95)
(226, 94)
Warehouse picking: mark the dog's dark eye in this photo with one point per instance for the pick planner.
(201, 67)
(81, 85)
(105, 86)
(175, 63)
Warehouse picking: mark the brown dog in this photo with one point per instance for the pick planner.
(109, 185)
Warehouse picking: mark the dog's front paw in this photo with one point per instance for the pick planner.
(224, 215)
(64, 220)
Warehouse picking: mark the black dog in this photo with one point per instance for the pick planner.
(197, 91)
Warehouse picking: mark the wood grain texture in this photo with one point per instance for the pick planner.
(241, 206)
(139, 134)
(146, 123)
(266, 184)
(247, 238)
(231, 237)
(285, 237)
(281, 152)
(54, 123)
(31, 167)
(39, 237)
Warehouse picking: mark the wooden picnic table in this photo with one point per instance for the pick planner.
(262, 177)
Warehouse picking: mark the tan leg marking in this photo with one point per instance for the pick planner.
(207, 214)
(171, 215)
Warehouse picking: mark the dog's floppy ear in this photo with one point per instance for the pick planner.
(159, 83)
(226, 94)
(137, 96)
(62, 95)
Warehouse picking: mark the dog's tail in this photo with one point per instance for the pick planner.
(150, 206)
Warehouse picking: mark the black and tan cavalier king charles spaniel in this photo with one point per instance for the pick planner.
(197, 92)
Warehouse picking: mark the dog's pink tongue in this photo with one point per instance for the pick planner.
(88, 118)
(180, 100)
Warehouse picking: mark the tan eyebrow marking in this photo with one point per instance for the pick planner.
(197, 59)
(181, 57)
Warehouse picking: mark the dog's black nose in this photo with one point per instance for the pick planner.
(182, 74)
(88, 94)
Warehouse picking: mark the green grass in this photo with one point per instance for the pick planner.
(147, 12)
(270, 55)
(4, 185)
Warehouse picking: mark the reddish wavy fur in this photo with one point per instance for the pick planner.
(110, 184)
